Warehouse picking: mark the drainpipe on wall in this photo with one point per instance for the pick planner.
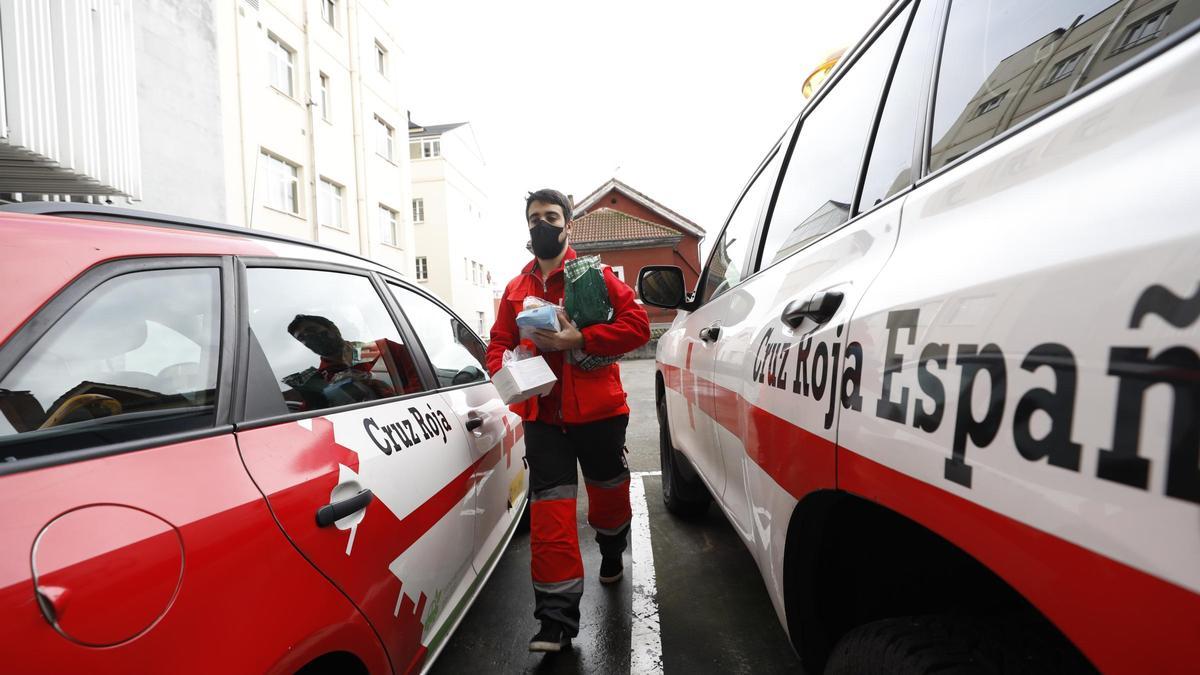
(311, 128)
(360, 168)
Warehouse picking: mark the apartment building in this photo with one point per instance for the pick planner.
(449, 219)
(314, 120)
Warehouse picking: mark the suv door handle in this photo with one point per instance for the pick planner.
(710, 333)
(820, 308)
(331, 513)
(474, 423)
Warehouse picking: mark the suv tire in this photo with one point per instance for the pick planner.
(915, 645)
(684, 497)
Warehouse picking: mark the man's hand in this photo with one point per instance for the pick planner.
(568, 337)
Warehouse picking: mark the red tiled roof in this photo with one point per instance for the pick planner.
(609, 225)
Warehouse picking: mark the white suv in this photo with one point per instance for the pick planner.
(941, 369)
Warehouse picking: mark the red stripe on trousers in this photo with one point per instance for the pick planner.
(554, 541)
(608, 507)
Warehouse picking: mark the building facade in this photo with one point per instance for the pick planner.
(448, 213)
(629, 230)
(314, 122)
(93, 106)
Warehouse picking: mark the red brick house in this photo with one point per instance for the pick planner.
(629, 230)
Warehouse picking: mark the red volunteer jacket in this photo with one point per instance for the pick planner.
(579, 395)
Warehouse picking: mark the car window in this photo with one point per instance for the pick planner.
(726, 265)
(456, 352)
(889, 169)
(328, 338)
(822, 172)
(1004, 61)
(136, 357)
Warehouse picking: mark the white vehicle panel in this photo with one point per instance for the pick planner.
(1053, 238)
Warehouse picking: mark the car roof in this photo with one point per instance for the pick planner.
(44, 246)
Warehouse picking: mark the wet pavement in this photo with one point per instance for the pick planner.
(714, 612)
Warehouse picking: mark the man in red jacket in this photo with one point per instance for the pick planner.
(582, 419)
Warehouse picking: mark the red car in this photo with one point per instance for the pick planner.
(227, 451)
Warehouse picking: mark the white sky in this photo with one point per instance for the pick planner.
(680, 100)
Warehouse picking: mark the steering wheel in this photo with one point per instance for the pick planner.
(108, 403)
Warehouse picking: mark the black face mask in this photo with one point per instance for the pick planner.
(544, 238)
(323, 344)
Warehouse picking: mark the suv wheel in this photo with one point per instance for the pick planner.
(683, 496)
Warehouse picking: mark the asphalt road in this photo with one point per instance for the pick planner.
(714, 613)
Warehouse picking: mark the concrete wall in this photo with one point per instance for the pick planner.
(179, 108)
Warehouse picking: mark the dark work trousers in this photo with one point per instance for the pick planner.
(556, 565)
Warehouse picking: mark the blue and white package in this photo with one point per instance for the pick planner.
(545, 317)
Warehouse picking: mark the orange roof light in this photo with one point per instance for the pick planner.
(813, 81)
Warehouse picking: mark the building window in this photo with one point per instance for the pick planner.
(329, 204)
(283, 183)
(1143, 30)
(619, 271)
(280, 63)
(1063, 69)
(479, 329)
(990, 104)
(384, 138)
(422, 268)
(387, 224)
(418, 210)
(329, 12)
(323, 95)
(466, 269)
(381, 59)
(425, 149)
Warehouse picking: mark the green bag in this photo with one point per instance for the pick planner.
(586, 295)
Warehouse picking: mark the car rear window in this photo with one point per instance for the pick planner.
(136, 357)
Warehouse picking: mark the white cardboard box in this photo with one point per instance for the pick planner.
(523, 379)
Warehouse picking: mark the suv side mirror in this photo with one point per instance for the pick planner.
(661, 286)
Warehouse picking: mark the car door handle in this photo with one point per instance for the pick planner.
(474, 423)
(710, 333)
(820, 308)
(331, 513)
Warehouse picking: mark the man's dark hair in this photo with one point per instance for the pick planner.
(548, 196)
(310, 318)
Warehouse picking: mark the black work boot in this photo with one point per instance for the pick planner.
(611, 569)
(551, 638)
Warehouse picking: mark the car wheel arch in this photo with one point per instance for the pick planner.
(849, 561)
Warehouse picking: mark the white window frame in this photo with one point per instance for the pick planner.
(418, 204)
(323, 95)
(280, 57)
(388, 225)
(1135, 34)
(431, 148)
(618, 270)
(329, 12)
(482, 318)
(1064, 68)
(386, 138)
(282, 182)
(381, 58)
(990, 104)
(422, 268)
(330, 204)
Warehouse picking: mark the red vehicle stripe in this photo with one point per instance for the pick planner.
(1122, 618)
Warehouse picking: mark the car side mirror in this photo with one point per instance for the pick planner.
(661, 286)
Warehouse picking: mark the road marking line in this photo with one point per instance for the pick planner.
(639, 474)
(645, 655)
